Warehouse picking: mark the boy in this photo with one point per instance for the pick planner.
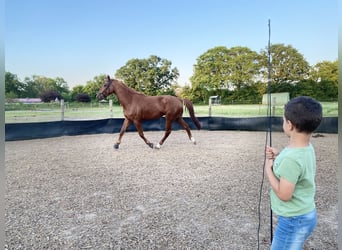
(291, 175)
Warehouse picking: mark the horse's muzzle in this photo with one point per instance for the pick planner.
(100, 96)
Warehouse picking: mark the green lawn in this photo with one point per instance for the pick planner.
(252, 110)
(52, 112)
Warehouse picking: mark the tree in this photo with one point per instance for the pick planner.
(14, 88)
(83, 98)
(210, 73)
(33, 87)
(325, 71)
(39, 85)
(244, 66)
(152, 76)
(287, 64)
(220, 69)
(92, 87)
(60, 85)
(78, 89)
(50, 95)
(322, 90)
(45, 83)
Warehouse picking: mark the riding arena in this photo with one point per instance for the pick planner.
(75, 191)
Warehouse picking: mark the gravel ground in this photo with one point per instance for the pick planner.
(78, 192)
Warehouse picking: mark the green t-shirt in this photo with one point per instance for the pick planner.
(298, 166)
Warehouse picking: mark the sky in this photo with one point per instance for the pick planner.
(78, 40)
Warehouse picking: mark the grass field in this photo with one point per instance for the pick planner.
(52, 111)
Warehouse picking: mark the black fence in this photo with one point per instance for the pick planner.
(27, 131)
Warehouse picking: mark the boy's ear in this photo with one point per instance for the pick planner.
(290, 124)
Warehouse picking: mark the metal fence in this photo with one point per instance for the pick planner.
(60, 111)
(64, 111)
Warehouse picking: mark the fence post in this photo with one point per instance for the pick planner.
(210, 107)
(211, 98)
(274, 103)
(111, 108)
(62, 109)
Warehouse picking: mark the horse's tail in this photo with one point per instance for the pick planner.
(189, 106)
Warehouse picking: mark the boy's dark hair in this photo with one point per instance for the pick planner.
(304, 112)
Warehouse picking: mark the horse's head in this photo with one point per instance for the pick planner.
(106, 89)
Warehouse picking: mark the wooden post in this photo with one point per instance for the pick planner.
(210, 107)
(274, 99)
(62, 109)
(111, 108)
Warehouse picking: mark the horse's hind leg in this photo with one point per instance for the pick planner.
(168, 127)
(122, 132)
(187, 129)
(141, 133)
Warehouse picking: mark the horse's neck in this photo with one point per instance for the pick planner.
(123, 93)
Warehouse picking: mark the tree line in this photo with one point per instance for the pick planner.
(236, 74)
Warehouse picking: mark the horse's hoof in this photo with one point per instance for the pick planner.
(150, 144)
(193, 140)
(157, 146)
(116, 146)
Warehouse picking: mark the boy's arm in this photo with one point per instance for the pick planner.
(282, 188)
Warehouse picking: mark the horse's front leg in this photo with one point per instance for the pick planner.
(141, 133)
(125, 125)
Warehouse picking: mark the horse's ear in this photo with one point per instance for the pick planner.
(108, 77)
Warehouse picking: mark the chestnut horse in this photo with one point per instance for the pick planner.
(138, 107)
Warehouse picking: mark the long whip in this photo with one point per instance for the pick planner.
(269, 108)
(268, 136)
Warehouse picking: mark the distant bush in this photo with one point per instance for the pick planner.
(50, 95)
(83, 98)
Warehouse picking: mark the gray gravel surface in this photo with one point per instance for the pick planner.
(78, 192)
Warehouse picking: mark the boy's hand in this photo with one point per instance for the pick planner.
(271, 153)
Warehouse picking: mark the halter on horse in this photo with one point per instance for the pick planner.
(138, 107)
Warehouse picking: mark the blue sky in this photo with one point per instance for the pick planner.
(78, 40)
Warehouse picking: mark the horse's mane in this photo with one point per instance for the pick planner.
(128, 89)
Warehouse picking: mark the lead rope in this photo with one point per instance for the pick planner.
(268, 137)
